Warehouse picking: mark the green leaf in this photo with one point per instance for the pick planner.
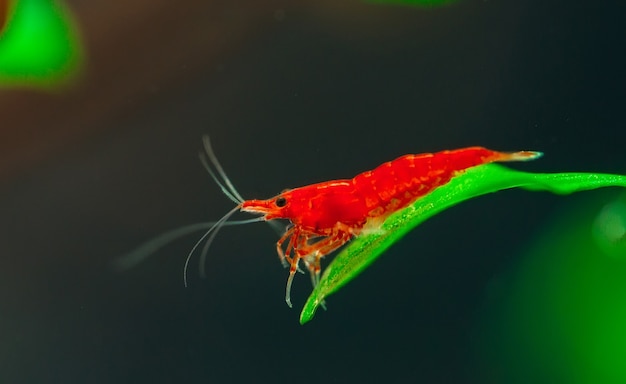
(477, 181)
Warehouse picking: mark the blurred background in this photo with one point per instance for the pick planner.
(512, 287)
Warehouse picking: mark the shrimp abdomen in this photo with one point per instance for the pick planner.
(397, 183)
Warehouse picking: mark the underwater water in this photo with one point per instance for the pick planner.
(513, 287)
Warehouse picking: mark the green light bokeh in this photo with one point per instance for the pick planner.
(39, 44)
(560, 315)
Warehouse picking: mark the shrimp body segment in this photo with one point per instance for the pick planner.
(327, 215)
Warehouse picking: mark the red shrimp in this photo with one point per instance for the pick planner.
(325, 216)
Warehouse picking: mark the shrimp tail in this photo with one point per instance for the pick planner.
(520, 156)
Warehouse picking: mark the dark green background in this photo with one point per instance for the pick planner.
(305, 93)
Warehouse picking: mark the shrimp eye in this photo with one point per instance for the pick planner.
(281, 202)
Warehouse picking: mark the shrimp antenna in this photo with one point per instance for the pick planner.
(212, 228)
(225, 190)
(232, 192)
(135, 257)
(213, 232)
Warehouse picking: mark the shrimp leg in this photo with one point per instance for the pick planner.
(292, 271)
(283, 255)
(321, 249)
(312, 253)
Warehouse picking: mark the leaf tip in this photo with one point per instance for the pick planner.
(310, 307)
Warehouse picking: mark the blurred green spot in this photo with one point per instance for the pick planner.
(38, 45)
(560, 314)
(609, 229)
